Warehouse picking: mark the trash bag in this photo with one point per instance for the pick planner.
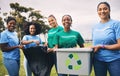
(38, 60)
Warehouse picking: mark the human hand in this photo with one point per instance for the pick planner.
(96, 48)
(21, 46)
(45, 44)
(50, 50)
(36, 41)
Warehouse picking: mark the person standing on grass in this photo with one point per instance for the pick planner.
(51, 33)
(9, 44)
(67, 38)
(31, 40)
(106, 41)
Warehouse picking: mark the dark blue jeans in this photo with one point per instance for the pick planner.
(12, 66)
(112, 67)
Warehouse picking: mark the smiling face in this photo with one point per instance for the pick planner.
(52, 21)
(66, 21)
(32, 29)
(11, 25)
(103, 12)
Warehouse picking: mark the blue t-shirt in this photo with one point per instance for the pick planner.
(30, 37)
(12, 40)
(106, 34)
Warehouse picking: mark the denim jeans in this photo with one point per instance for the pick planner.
(28, 71)
(112, 67)
(12, 66)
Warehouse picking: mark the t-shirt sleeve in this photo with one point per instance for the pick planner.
(117, 30)
(61, 28)
(24, 37)
(3, 38)
(55, 39)
(80, 40)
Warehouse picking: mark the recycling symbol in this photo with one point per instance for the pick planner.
(68, 62)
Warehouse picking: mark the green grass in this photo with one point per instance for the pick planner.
(3, 71)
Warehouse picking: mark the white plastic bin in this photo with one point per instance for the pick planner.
(75, 61)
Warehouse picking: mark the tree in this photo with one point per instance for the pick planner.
(30, 15)
(36, 16)
(2, 27)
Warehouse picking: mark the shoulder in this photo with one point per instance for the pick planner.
(59, 26)
(113, 20)
(51, 30)
(114, 23)
(4, 32)
(26, 36)
(37, 36)
(60, 32)
(74, 31)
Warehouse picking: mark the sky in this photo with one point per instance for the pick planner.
(83, 12)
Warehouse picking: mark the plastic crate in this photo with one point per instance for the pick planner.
(75, 61)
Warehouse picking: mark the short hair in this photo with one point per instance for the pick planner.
(10, 18)
(67, 15)
(37, 27)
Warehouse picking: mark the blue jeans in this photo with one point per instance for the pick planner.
(27, 68)
(112, 67)
(12, 66)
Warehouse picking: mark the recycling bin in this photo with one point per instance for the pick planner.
(75, 61)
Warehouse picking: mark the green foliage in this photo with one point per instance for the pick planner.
(31, 15)
(34, 15)
(2, 27)
(17, 7)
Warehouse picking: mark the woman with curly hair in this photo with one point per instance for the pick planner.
(31, 39)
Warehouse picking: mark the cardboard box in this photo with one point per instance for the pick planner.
(75, 61)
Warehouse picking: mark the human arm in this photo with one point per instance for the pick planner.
(113, 47)
(80, 40)
(5, 48)
(27, 39)
(112, 41)
(52, 49)
(8, 43)
(24, 42)
(82, 45)
(55, 44)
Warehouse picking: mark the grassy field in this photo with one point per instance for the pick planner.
(3, 71)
